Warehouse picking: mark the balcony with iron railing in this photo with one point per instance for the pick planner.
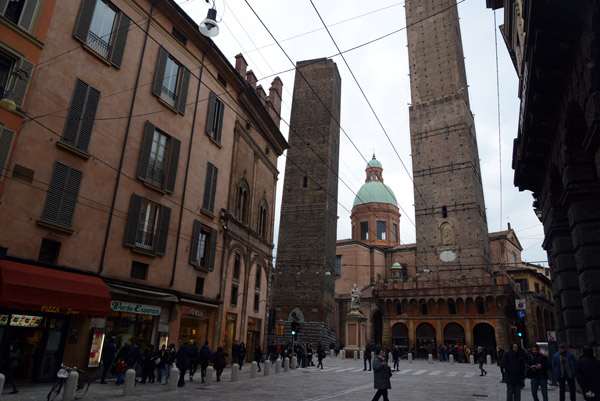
(168, 96)
(145, 240)
(156, 175)
(98, 44)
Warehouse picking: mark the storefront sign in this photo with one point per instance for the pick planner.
(130, 307)
(194, 313)
(4, 320)
(26, 321)
(56, 309)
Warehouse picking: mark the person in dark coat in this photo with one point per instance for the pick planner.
(148, 365)
(563, 366)
(11, 364)
(587, 372)
(367, 356)
(513, 362)
(194, 355)
(235, 352)
(381, 376)
(242, 355)
(258, 355)
(219, 362)
(538, 365)
(108, 357)
(481, 361)
(161, 366)
(134, 358)
(320, 355)
(499, 362)
(204, 358)
(183, 362)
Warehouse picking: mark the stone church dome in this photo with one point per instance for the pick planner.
(374, 190)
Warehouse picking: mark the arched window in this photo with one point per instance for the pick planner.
(424, 308)
(262, 218)
(480, 308)
(398, 309)
(242, 201)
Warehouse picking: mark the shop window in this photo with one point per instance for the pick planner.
(381, 230)
(159, 159)
(62, 195)
(171, 81)
(237, 263)
(234, 295)
(210, 188)
(241, 210)
(147, 225)
(338, 265)
(20, 12)
(81, 115)
(364, 230)
(103, 29)
(49, 251)
(139, 270)
(256, 302)
(214, 123)
(199, 286)
(258, 277)
(424, 309)
(204, 246)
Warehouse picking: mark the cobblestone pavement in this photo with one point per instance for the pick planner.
(339, 380)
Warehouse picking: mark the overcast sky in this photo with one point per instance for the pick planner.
(381, 69)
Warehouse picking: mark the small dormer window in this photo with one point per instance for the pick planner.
(376, 176)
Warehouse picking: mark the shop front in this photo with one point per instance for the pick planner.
(196, 322)
(37, 308)
(252, 337)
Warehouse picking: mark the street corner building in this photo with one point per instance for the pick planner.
(138, 171)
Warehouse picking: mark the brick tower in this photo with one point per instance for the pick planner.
(305, 269)
(450, 215)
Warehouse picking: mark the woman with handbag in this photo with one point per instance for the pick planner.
(220, 362)
(381, 376)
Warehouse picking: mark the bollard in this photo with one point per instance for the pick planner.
(70, 386)
(451, 359)
(343, 353)
(278, 365)
(235, 368)
(294, 363)
(2, 378)
(488, 360)
(410, 357)
(286, 364)
(173, 379)
(129, 383)
(430, 359)
(471, 359)
(372, 355)
(362, 354)
(355, 355)
(389, 356)
(209, 376)
(253, 370)
(267, 369)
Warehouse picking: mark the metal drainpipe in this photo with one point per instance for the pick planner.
(129, 117)
(187, 166)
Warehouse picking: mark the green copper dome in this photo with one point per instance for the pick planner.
(374, 163)
(375, 191)
(396, 266)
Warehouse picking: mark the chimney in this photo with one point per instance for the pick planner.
(261, 93)
(251, 79)
(241, 65)
(509, 226)
(274, 100)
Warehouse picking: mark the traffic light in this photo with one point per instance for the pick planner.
(294, 329)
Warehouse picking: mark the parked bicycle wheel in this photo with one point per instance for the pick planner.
(55, 390)
(83, 384)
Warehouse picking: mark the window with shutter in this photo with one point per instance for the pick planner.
(159, 158)
(210, 188)
(103, 29)
(15, 75)
(171, 81)
(201, 251)
(147, 225)
(62, 195)
(6, 140)
(214, 121)
(81, 116)
(20, 12)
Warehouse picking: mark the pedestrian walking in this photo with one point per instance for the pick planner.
(171, 361)
(499, 362)
(587, 372)
(514, 372)
(235, 352)
(563, 366)
(258, 355)
(481, 361)
(367, 355)
(148, 365)
(204, 358)
(381, 376)
(219, 362)
(537, 370)
(309, 355)
(12, 363)
(242, 355)
(194, 355)
(183, 362)
(320, 355)
(161, 363)
(109, 351)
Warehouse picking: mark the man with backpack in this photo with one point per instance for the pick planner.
(204, 357)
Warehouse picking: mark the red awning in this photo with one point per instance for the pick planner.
(34, 288)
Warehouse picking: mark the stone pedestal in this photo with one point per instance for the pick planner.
(355, 331)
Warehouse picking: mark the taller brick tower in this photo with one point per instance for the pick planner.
(450, 215)
(305, 268)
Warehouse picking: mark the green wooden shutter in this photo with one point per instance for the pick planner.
(219, 120)
(73, 121)
(6, 140)
(163, 230)
(27, 14)
(69, 200)
(210, 118)
(84, 20)
(62, 195)
(133, 220)
(213, 249)
(88, 119)
(118, 48)
(159, 74)
(145, 151)
(172, 165)
(194, 245)
(213, 189)
(21, 84)
(183, 91)
(209, 188)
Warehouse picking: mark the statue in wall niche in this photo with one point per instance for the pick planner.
(355, 294)
(446, 229)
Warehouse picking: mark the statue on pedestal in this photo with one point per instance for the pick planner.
(355, 294)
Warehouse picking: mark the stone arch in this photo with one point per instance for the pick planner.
(454, 333)
(484, 335)
(400, 335)
(425, 340)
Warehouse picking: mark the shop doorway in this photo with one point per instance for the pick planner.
(252, 338)
(454, 334)
(230, 332)
(400, 338)
(426, 343)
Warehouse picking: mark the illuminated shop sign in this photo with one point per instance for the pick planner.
(130, 307)
(25, 320)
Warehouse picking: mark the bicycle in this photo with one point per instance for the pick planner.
(83, 382)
